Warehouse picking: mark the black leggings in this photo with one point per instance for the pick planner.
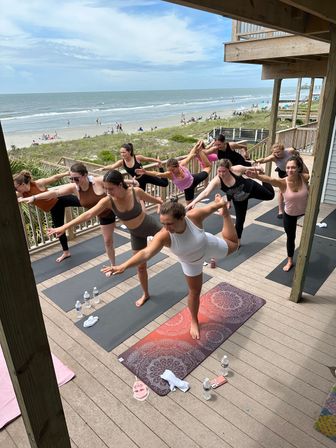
(290, 229)
(189, 193)
(146, 179)
(57, 215)
(264, 192)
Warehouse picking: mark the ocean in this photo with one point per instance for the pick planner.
(56, 111)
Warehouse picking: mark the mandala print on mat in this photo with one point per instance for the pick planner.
(153, 358)
(222, 311)
(326, 423)
(227, 302)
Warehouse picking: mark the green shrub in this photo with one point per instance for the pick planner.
(106, 156)
(182, 139)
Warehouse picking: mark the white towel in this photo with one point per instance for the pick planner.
(174, 382)
(321, 224)
(90, 321)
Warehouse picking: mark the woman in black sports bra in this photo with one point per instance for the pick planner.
(229, 151)
(131, 162)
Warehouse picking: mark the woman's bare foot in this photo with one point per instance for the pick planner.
(288, 266)
(142, 300)
(66, 254)
(194, 330)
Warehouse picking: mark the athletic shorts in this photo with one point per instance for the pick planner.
(148, 227)
(216, 248)
(107, 219)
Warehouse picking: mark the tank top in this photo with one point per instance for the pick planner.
(241, 189)
(44, 204)
(296, 201)
(185, 182)
(128, 214)
(131, 171)
(89, 199)
(281, 163)
(189, 246)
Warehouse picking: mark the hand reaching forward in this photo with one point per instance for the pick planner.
(112, 270)
(58, 231)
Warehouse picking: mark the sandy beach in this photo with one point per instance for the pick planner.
(26, 139)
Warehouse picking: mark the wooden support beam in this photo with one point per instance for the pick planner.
(297, 101)
(269, 13)
(323, 142)
(22, 333)
(324, 9)
(273, 120)
(297, 69)
(274, 48)
(310, 98)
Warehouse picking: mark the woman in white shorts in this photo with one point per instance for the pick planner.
(183, 233)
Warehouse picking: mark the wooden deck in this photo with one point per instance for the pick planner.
(278, 360)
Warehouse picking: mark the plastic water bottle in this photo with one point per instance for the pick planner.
(87, 302)
(207, 389)
(95, 295)
(78, 308)
(225, 365)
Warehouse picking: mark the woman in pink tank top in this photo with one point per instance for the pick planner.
(294, 188)
(180, 175)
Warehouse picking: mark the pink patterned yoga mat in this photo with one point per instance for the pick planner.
(9, 408)
(222, 311)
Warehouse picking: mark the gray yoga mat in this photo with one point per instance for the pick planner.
(120, 319)
(46, 267)
(65, 294)
(321, 264)
(330, 230)
(270, 217)
(254, 238)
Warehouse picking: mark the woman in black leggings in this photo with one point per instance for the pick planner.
(238, 190)
(131, 162)
(26, 187)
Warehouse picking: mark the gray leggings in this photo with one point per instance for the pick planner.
(149, 227)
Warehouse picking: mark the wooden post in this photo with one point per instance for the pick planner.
(310, 97)
(323, 142)
(273, 120)
(297, 102)
(22, 333)
(71, 234)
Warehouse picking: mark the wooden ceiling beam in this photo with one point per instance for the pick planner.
(325, 10)
(297, 69)
(283, 47)
(269, 13)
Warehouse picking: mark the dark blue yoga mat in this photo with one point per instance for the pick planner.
(330, 230)
(254, 238)
(46, 267)
(321, 264)
(66, 293)
(270, 217)
(120, 319)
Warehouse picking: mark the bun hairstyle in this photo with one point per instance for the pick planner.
(299, 163)
(129, 148)
(115, 177)
(174, 209)
(79, 168)
(23, 177)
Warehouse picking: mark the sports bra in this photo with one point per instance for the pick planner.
(89, 199)
(127, 215)
(131, 171)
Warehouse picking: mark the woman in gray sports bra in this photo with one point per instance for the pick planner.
(125, 203)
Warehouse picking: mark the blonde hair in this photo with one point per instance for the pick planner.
(23, 177)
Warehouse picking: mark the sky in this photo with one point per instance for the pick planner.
(108, 45)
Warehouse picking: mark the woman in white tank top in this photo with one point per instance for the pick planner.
(183, 233)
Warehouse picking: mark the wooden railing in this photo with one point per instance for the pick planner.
(235, 134)
(300, 137)
(242, 31)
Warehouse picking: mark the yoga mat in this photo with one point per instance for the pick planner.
(65, 294)
(254, 238)
(330, 230)
(120, 319)
(326, 423)
(222, 311)
(46, 267)
(270, 217)
(9, 408)
(321, 264)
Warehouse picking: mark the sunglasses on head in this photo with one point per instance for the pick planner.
(75, 179)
